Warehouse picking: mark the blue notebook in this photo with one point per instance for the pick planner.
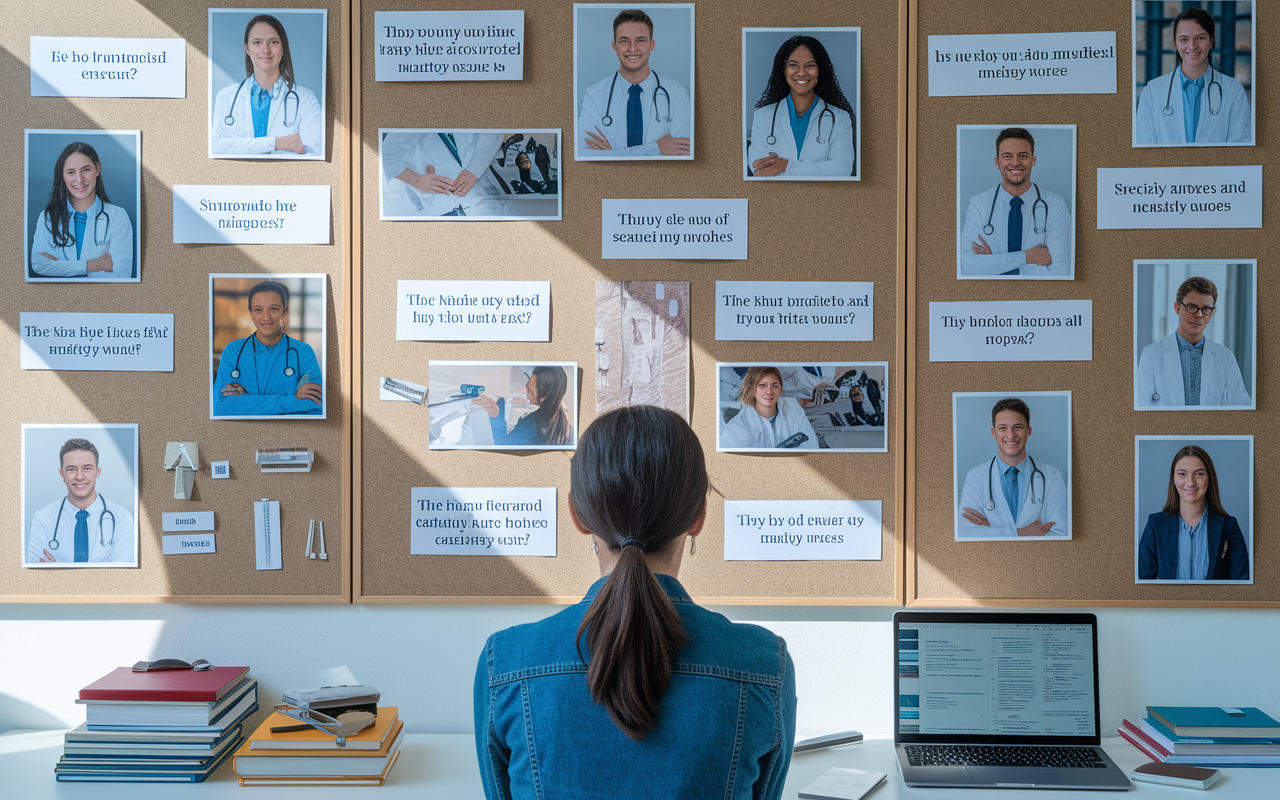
(1213, 722)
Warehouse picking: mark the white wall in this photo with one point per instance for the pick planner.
(423, 658)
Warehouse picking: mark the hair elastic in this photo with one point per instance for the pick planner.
(631, 540)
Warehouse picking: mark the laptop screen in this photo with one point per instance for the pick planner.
(996, 678)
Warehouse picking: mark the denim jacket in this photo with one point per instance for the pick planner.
(725, 726)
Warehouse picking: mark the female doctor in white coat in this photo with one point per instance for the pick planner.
(802, 103)
(267, 113)
(767, 419)
(1167, 108)
(80, 234)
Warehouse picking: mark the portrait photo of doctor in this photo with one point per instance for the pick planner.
(75, 231)
(265, 332)
(801, 86)
(84, 518)
(634, 99)
(1194, 510)
(1194, 335)
(1011, 224)
(267, 83)
(1018, 492)
(1193, 74)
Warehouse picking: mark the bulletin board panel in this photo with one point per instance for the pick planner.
(174, 406)
(799, 231)
(1095, 568)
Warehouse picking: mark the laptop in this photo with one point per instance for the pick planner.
(999, 701)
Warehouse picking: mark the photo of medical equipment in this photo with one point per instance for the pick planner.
(523, 405)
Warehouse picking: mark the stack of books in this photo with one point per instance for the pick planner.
(1206, 737)
(171, 726)
(313, 757)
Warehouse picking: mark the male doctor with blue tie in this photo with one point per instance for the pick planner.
(634, 113)
(83, 529)
(1012, 495)
(1017, 229)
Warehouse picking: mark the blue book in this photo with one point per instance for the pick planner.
(1215, 722)
(1157, 727)
(135, 775)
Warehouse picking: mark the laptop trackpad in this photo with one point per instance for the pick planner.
(1036, 776)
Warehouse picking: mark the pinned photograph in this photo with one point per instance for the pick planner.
(1194, 512)
(1194, 74)
(1014, 225)
(642, 345)
(502, 405)
(79, 495)
(792, 408)
(75, 230)
(633, 99)
(469, 174)
(267, 346)
(267, 83)
(1022, 490)
(1195, 335)
(800, 103)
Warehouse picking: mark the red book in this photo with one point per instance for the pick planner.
(1140, 740)
(169, 686)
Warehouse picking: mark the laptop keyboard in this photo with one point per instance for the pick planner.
(945, 755)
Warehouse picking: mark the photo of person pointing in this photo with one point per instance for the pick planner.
(1011, 494)
(634, 112)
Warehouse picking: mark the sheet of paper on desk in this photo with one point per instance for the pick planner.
(843, 783)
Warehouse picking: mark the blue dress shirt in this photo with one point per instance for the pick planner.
(1193, 550)
(1192, 91)
(1192, 357)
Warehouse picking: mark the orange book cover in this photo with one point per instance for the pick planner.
(367, 742)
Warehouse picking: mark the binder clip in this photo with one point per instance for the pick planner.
(346, 724)
(311, 533)
(183, 460)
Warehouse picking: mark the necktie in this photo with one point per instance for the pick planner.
(635, 120)
(1015, 230)
(452, 145)
(1009, 483)
(1191, 107)
(82, 536)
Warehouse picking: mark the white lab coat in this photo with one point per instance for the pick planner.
(116, 232)
(673, 119)
(416, 151)
(1059, 236)
(237, 140)
(1158, 382)
(1232, 123)
(103, 549)
(834, 156)
(1053, 508)
(749, 429)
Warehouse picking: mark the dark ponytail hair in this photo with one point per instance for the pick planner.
(638, 474)
(56, 214)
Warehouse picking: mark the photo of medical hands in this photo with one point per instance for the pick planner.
(267, 82)
(489, 405)
(267, 345)
(1014, 225)
(1194, 335)
(810, 78)
(74, 232)
(790, 408)
(1194, 84)
(469, 174)
(1009, 487)
(79, 495)
(1194, 511)
(633, 98)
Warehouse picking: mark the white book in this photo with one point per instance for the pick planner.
(843, 783)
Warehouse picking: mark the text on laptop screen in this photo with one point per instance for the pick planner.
(994, 679)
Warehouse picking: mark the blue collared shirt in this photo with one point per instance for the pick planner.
(799, 122)
(1192, 357)
(260, 106)
(1193, 550)
(1192, 91)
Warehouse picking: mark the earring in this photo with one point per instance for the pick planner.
(693, 545)
(594, 547)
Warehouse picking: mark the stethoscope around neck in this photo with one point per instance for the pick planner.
(826, 109)
(102, 540)
(289, 371)
(991, 496)
(607, 119)
(1213, 81)
(231, 120)
(989, 229)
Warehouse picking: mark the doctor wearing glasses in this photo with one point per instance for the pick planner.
(1017, 228)
(269, 372)
(84, 527)
(267, 113)
(80, 234)
(1194, 104)
(634, 113)
(1012, 494)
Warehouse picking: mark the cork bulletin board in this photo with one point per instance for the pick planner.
(172, 406)
(1096, 567)
(851, 231)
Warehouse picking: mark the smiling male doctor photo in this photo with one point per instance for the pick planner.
(84, 528)
(1012, 494)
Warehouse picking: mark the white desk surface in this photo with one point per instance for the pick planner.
(443, 767)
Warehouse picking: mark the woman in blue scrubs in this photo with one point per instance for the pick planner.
(270, 372)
